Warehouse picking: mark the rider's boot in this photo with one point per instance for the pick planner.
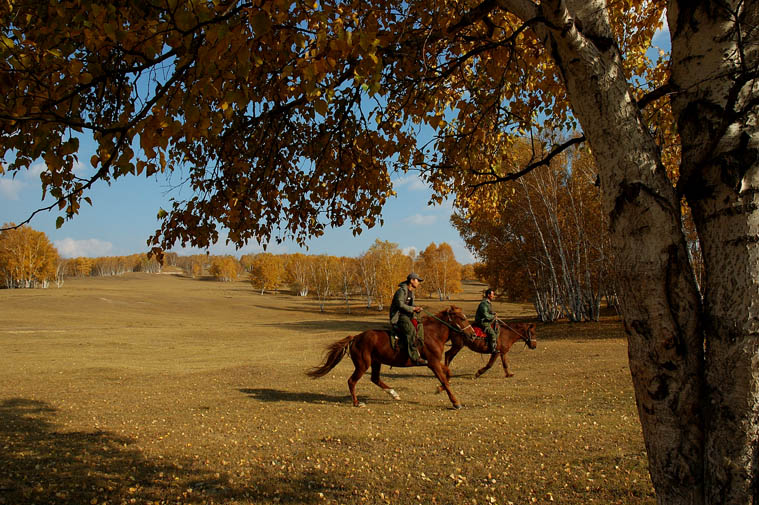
(416, 359)
(492, 345)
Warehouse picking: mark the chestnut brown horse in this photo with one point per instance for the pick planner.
(508, 334)
(372, 348)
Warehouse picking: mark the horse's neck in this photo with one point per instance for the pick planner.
(511, 334)
(441, 332)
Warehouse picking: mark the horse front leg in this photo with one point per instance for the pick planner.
(447, 372)
(505, 366)
(451, 353)
(487, 366)
(376, 366)
(440, 372)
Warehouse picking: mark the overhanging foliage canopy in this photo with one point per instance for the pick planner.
(280, 113)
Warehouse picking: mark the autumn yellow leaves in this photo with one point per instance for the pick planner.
(373, 275)
(27, 259)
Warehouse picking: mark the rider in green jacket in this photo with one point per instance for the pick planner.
(403, 312)
(485, 317)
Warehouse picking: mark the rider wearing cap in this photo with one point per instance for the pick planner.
(403, 314)
(485, 317)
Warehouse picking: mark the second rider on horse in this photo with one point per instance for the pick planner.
(403, 317)
(485, 317)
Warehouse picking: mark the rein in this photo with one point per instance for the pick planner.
(527, 340)
(459, 330)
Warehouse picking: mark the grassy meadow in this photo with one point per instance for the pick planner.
(161, 389)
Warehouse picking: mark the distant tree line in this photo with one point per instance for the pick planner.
(28, 260)
(373, 275)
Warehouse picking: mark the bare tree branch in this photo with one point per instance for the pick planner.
(655, 94)
(529, 168)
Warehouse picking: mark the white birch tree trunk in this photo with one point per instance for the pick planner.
(715, 60)
(662, 306)
(698, 412)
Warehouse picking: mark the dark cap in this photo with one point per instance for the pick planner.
(414, 275)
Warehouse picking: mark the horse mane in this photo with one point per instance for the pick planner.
(441, 314)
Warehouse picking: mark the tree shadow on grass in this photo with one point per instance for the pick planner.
(358, 311)
(41, 464)
(277, 395)
(606, 328)
(342, 328)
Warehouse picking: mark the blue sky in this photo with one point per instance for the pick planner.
(123, 215)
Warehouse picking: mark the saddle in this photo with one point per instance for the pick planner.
(479, 332)
(395, 336)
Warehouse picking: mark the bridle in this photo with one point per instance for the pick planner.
(526, 336)
(458, 328)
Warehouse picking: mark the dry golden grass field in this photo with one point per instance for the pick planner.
(164, 389)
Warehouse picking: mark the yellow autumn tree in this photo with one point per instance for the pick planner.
(441, 272)
(325, 277)
(298, 272)
(224, 268)
(27, 258)
(347, 281)
(83, 266)
(467, 272)
(193, 265)
(545, 241)
(382, 268)
(266, 271)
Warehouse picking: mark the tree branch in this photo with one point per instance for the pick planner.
(523, 9)
(529, 168)
(655, 94)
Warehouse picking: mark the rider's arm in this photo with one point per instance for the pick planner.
(399, 300)
(487, 314)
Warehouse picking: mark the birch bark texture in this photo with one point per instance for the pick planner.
(698, 409)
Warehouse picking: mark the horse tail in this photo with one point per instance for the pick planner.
(332, 357)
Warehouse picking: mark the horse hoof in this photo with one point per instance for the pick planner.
(392, 393)
(457, 406)
(508, 375)
(360, 404)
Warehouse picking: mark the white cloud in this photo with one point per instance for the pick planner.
(11, 188)
(410, 251)
(34, 171)
(32, 174)
(463, 255)
(410, 182)
(421, 220)
(93, 248)
(81, 170)
(11, 185)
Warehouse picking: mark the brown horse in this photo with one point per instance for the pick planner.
(372, 348)
(508, 334)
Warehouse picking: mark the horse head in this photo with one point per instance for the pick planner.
(529, 336)
(521, 331)
(458, 320)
